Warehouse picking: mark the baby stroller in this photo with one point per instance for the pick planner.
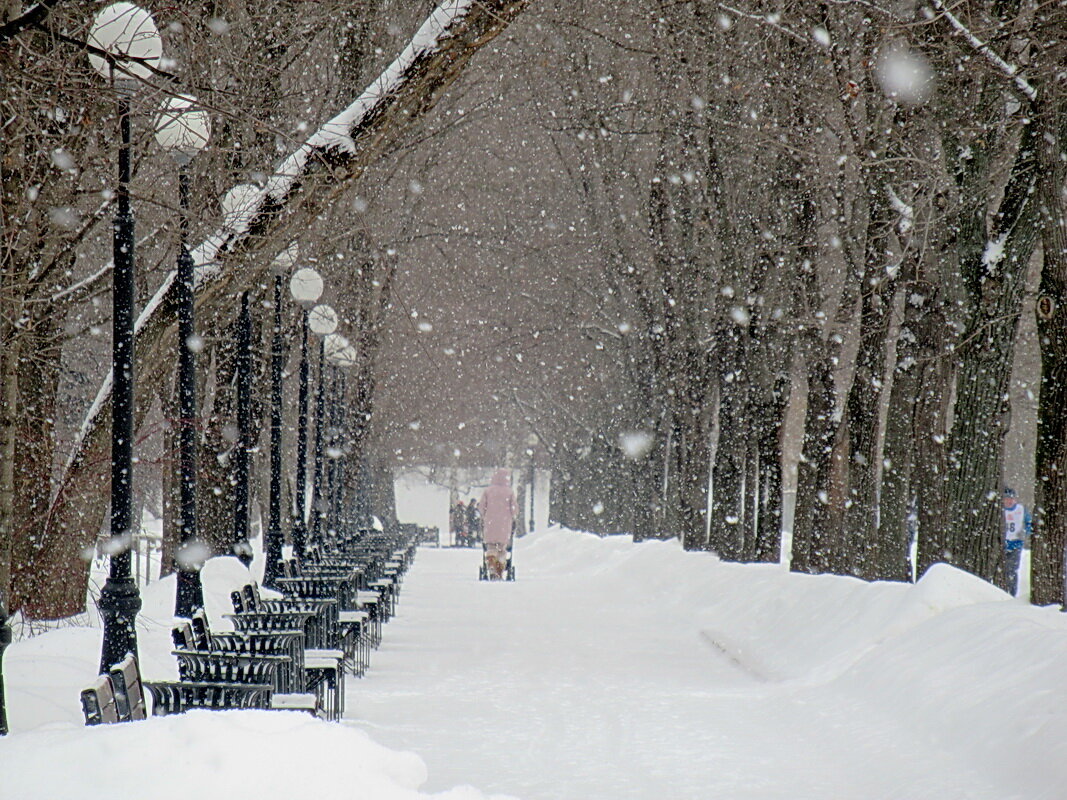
(509, 569)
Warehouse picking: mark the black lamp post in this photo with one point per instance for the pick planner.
(5, 640)
(332, 451)
(323, 321)
(183, 130)
(123, 31)
(316, 472)
(337, 460)
(273, 544)
(306, 288)
(340, 353)
(273, 536)
(241, 546)
(531, 442)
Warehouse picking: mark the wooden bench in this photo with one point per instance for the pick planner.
(119, 696)
(98, 702)
(324, 667)
(343, 630)
(274, 658)
(115, 697)
(179, 697)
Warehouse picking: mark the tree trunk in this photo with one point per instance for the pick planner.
(38, 558)
(1050, 503)
(769, 415)
(171, 471)
(727, 532)
(214, 484)
(694, 463)
(9, 392)
(647, 479)
(891, 554)
(863, 404)
(813, 471)
(981, 416)
(930, 472)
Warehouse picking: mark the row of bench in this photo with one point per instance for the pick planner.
(289, 652)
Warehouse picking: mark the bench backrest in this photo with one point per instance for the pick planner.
(129, 694)
(98, 702)
(176, 698)
(291, 567)
(201, 631)
(251, 597)
(182, 634)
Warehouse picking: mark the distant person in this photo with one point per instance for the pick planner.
(1017, 526)
(458, 523)
(498, 510)
(474, 522)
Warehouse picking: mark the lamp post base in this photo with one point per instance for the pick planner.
(299, 537)
(5, 640)
(120, 600)
(190, 594)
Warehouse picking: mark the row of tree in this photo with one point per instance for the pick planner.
(695, 218)
(835, 205)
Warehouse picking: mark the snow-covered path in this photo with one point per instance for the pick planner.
(608, 671)
(580, 680)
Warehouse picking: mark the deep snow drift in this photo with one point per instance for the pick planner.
(607, 670)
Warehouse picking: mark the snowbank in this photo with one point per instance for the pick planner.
(957, 662)
(213, 754)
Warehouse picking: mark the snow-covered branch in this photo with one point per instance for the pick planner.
(30, 17)
(1009, 70)
(341, 149)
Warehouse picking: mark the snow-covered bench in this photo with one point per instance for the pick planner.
(300, 679)
(119, 696)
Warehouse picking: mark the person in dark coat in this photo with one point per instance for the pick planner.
(474, 522)
(458, 523)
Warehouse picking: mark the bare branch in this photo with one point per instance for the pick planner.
(1010, 70)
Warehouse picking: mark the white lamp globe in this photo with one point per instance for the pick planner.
(284, 261)
(124, 30)
(346, 357)
(181, 127)
(332, 346)
(306, 287)
(322, 320)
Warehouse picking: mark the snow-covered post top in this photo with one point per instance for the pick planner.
(182, 129)
(127, 33)
(306, 288)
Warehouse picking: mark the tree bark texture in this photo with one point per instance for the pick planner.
(1050, 503)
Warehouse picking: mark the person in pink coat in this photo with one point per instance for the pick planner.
(498, 509)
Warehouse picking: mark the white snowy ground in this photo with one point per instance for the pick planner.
(607, 670)
(614, 670)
